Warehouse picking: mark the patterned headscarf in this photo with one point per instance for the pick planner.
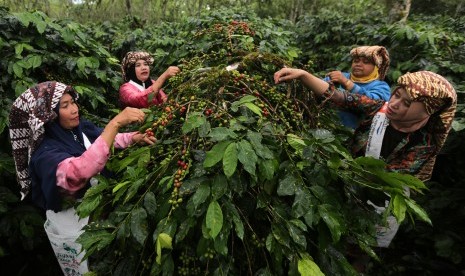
(440, 100)
(377, 54)
(30, 111)
(130, 59)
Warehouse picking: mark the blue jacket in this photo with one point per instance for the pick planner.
(376, 90)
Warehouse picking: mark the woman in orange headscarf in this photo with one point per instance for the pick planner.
(368, 70)
(414, 122)
(407, 132)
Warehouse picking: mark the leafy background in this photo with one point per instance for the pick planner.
(37, 48)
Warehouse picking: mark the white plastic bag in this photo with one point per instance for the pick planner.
(385, 234)
(63, 228)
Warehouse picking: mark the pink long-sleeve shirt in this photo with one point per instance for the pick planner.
(134, 95)
(74, 172)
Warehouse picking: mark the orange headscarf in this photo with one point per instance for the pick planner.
(377, 54)
(440, 100)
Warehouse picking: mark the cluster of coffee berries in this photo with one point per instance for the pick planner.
(180, 174)
(149, 132)
(188, 266)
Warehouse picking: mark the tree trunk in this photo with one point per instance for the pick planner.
(296, 10)
(146, 10)
(398, 10)
(164, 5)
(47, 7)
(128, 7)
(458, 11)
(199, 11)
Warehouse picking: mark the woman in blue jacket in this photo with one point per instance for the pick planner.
(369, 67)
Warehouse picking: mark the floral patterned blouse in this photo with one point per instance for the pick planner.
(413, 153)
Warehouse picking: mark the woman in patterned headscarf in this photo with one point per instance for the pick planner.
(57, 154)
(411, 127)
(369, 67)
(407, 132)
(139, 90)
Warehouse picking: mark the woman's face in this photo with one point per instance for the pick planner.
(142, 70)
(401, 108)
(68, 112)
(362, 67)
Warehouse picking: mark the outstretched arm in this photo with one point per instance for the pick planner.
(74, 172)
(317, 85)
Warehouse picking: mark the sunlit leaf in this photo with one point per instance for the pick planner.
(163, 241)
(307, 267)
(420, 212)
(296, 142)
(254, 108)
(399, 208)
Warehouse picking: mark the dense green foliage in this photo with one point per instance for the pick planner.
(156, 11)
(237, 182)
(291, 206)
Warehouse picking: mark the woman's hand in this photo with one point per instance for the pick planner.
(171, 72)
(286, 74)
(129, 115)
(337, 77)
(143, 139)
(315, 84)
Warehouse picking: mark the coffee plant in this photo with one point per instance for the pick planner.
(246, 177)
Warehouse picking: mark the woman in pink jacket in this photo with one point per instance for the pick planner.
(139, 90)
(57, 155)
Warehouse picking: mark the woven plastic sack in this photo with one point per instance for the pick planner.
(63, 228)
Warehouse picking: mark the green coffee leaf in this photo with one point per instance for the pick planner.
(296, 142)
(221, 133)
(195, 120)
(420, 212)
(215, 155)
(267, 168)
(202, 193)
(214, 219)
(254, 108)
(287, 186)
(399, 208)
(230, 159)
(219, 186)
(163, 241)
(247, 156)
(139, 225)
(307, 267)
(332, 220)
